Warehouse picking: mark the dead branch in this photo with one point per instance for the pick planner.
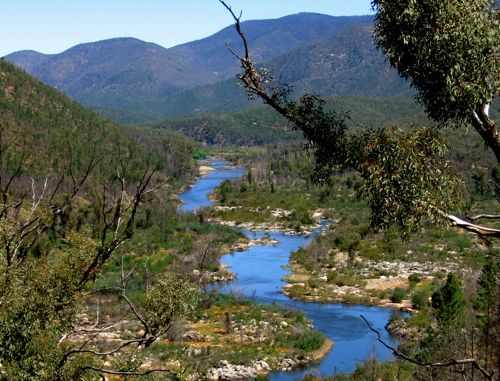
(115, 372)
(487, 216)
(136, 312)
(482, 231)
(449, 363)
(147, 275)
(251, 77)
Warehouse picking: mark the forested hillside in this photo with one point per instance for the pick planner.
(121, 70)
(262, 125)
(113, 72)
(72, 187)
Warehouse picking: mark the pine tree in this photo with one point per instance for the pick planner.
(448, 302)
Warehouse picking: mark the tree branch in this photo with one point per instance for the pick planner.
(479, 230)
(488, 216)
(449, 363)
(115, 372)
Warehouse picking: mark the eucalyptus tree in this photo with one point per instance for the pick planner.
(450, 52)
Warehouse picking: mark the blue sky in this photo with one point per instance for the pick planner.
(52, 26)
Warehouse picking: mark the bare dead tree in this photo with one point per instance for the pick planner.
(151, 333)
(205, 254)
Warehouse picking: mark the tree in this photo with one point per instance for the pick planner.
(487, 305)
(448, 302)
(205, 256)
(407, 180)
(449, 51)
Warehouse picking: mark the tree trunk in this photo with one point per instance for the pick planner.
(487, 129)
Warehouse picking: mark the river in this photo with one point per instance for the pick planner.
(259, 272)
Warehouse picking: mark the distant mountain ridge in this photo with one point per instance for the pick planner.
(132, 80)
(113, 72)
(345, 63)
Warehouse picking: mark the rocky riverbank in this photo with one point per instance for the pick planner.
(228, 371)
(361, 282)
(277, 222)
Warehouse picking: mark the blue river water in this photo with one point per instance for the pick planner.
(259, 272)
(197, 196)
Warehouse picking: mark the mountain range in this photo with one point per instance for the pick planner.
(131, 81)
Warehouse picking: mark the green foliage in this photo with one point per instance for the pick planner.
(408, 181)
(398, 295)
(448, 302)
(225, 189)
(39, 301)
(486, 298)
(495, 173)
(480, 181)
(420, 298)
(233, 128)
(462, 39)
(199, 154)
(414, 278)
(171, 297)
(308, 341)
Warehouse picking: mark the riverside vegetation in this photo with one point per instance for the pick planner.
(449, 52)
(101, 274)
(165, 242)
(352, 263)
(98, 268)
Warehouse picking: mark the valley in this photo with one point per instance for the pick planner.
(157, 222)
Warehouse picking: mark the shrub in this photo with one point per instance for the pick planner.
(398, 295)
(420, 298)
(395, 317)
(308, 341)
(414, 278)
(314, 282)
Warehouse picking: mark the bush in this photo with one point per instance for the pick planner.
(308, 341)
(199, 154)
(414, 278)
(395, 317)
(314, 282)
(398, 295)
(420, 298)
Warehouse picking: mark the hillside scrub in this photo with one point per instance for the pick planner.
(84, 203)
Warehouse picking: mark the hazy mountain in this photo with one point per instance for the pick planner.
(346, 62)
(113, 72)
(267, 39)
